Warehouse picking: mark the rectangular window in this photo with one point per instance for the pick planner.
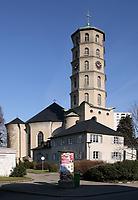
(62, 141)
(116, 155)
(53, 143)
(54, 156)
(79, 139)
(96, 155)
(116, 140)
(96, 138)
(70, 141)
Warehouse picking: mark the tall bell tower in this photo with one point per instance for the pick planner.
(88, 67)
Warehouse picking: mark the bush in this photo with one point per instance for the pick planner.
(29, 165)
(120, 171)
(51, 167)
(19, 170)
(83, 166)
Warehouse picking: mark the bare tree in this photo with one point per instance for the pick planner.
(134, 112)
(3, 132)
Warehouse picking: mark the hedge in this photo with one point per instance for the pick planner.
(119, 171)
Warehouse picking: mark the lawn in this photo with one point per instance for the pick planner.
(14, 179)
(36, 171)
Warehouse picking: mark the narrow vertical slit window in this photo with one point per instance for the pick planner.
(86, 97)
(86, 65)
(99, 100)
(86, 37)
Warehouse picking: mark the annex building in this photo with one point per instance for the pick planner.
(87, 127)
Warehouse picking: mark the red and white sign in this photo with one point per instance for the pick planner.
(67, 162)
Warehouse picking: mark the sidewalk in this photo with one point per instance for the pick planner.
(47, 185)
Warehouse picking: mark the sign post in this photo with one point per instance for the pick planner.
(42, 158)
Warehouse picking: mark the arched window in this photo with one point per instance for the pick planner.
(99, 82)
(86, 52)
(97, 38)
(86, 80)
(74, 99)
(98, 52)
(86, 97)
(86, 65)
(86, 37)
(40, 138)
(99, 100)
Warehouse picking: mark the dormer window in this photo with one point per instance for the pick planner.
(86, 37)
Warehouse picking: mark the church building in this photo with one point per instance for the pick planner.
(87, 127)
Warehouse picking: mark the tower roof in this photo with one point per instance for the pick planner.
(16, 121)
(54, 113)
(88, 27)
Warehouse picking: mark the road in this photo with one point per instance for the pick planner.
(43, 188)
(118, 196)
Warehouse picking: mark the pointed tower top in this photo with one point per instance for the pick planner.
(88, 18)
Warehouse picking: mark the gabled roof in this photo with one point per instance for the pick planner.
(16, 121)
(88, 126)
(54, 113)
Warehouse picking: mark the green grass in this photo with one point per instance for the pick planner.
(14, 179)
(36, 171)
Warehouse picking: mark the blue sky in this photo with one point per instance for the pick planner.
(35, 52)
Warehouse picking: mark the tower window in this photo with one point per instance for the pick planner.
(86, 97)
(86, 80)
(86, 65)
(99, 100)
(86, 52)
(40, 138)
(77, 40)
(74, 99)
(75, 83)
(76, 54)
(86, 37)
(97, 38)
(98, 52)
(99, 82)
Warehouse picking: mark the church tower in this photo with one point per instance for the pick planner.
(88, 79)
(88, 67)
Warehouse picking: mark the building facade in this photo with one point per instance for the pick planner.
(118, 116)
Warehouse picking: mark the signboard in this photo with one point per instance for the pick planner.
(67, 162)
(66, 165)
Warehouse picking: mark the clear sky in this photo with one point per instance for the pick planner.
(35, 52)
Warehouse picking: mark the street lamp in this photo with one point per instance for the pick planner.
(42, 158)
